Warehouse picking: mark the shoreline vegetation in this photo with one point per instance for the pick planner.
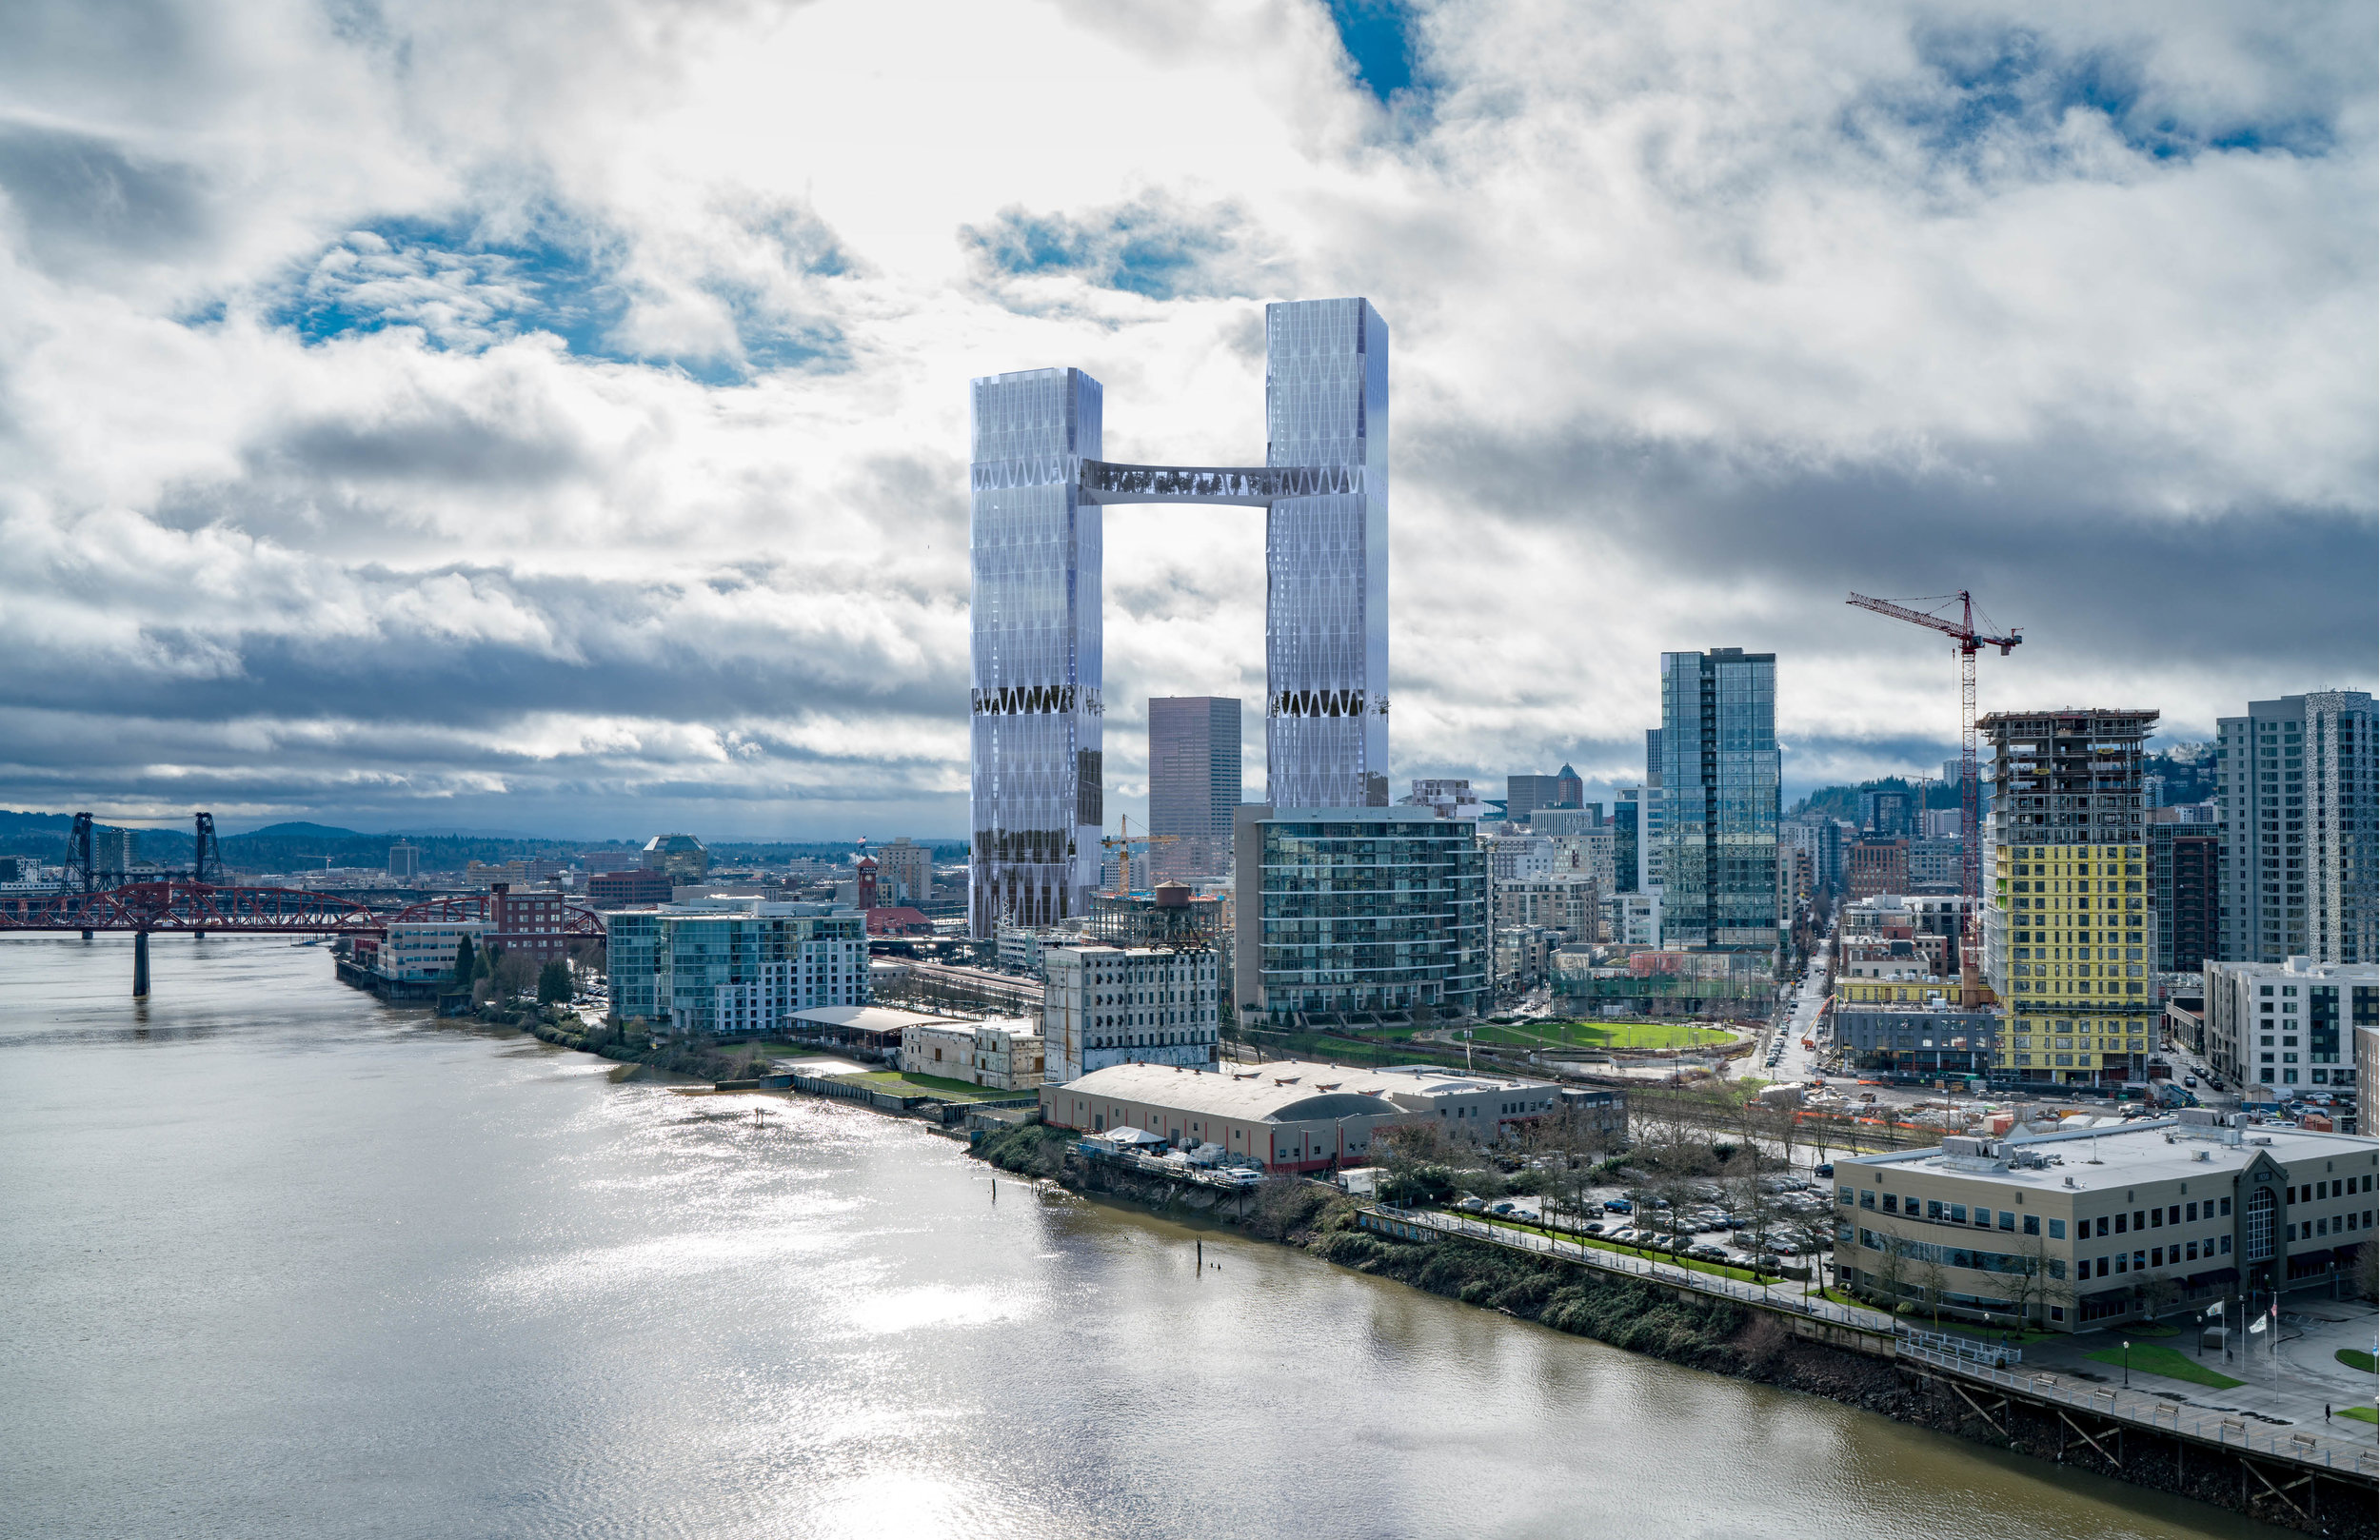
(1691, 1331)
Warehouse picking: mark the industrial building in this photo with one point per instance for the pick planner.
(1291, 1115)
(2067, 1229)
(1108, 1005)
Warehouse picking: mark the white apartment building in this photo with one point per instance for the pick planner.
(2296, 779)
(1104, 1005)
(423, 952)
(1559, 902)
(1519, 858)
(1633, 918)
(2285, 1027)
(2063, 1231)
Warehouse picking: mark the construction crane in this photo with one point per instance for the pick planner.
(1121, 844)
(1961, 629)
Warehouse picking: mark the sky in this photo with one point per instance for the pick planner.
(552, 418)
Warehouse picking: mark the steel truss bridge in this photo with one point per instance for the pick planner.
(199, 909)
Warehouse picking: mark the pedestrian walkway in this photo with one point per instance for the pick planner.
(2264, 1420)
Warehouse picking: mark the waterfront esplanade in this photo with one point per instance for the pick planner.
(1037, 480)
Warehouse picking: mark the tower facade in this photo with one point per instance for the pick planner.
(1719, 769)
(1036, 484)
(2300, 793)
(1326, 557)
(1194, 784)
(1034, 586)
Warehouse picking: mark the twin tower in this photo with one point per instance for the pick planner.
(1038, 485)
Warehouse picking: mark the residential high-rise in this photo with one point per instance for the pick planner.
(2280, 1024)
(904, 873)
(2184, 874)
(2068, 931)
(1652, 756)
(1037, 483)
(1350, 914)
(2300, 792)
(1639, 859)
(1194, 784)
(1719, 772)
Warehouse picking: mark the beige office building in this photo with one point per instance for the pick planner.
(2068, 1231)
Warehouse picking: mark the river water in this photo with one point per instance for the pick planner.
(277, 1260)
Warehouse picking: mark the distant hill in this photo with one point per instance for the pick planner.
(1843, 801)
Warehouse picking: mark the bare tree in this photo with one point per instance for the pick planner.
(1933, 1282)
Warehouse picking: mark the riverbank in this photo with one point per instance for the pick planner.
(1696, 1332)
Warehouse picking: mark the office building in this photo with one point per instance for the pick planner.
(1525, 795)
(680, 857)
(2068, 933)
(1349, 913)
(904, 874)
(1633, 919)
(2066, 1231)
(1037, 559)
(1878, 866)
(1821, 840)
(1652, 756)
(1638, 856)
(2297, 783)
(1937, 865)
(1194, 784)
(1570, 903)
(2186, 879)
(1517, 857)
(619, 889)
(2274, 1026)
(1929, 1036)
(1106, 1005)
(735, 966)
(423, 952)
(1585, 818)
(405, 860)
(1719, 797)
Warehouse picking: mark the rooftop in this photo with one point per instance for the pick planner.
(2149, 1150)
(1287, 1089)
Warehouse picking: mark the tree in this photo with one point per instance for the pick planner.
(1934, 1281)
(553, 983)
(465, 961)
(513, 975)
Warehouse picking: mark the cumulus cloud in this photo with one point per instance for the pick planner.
(553, 416)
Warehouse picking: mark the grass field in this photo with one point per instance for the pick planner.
(895, 1083)
(1601, 1034)
(2150, 1359)
(2360, 1414)
(2355, 1358)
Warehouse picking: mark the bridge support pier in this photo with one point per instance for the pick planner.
(86, 936)
(140, 965)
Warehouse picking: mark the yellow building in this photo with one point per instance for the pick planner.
(2069, 928)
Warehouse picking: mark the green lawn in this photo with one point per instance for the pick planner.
(901, 1084)
(2360, 1414)
(1602, 1035)
(2355, 1358)
(2150, 1359)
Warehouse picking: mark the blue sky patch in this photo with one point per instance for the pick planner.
(1149, 246)
(1378, 35)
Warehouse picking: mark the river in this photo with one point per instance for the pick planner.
(278, 1260)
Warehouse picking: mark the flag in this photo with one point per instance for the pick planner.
(2214, 1309)
(2257, 1324)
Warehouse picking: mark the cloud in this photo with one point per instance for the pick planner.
(555, 418)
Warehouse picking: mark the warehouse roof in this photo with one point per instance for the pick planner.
(1286, 1091)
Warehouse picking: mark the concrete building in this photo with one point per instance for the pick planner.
(1194, 784)
(1448, 799)
(1937, 865)
(424, 951)
(1570, 904)
(1719, 770)
(940, 1048)
(1355, 913)
(2285, 1027)
(2299, 789)
(1930, 1037)
(1108, 1005)
(1903, 914)
(2068, 932)
(405, 860)
(1291, 1115)
(619, 889)
(734, 965)
(904, 875)
(2186, 884)
(1009, 1055)
(1638, 857)
(1519, 858)
(2067, 1231)
(1633, 919)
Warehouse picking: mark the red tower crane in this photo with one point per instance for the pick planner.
(1960, 629)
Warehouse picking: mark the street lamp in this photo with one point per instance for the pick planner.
(2128, 1366)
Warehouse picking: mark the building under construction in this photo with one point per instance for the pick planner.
(2070, 930)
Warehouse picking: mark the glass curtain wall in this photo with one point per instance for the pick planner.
(1036, 704)
(1719, 783)
(1326, 557)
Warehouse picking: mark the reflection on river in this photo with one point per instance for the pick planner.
(281, 1261)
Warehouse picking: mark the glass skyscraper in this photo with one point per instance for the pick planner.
(1037, 483)
(1326, 557)
(1194, 784)
(1720, 793)
(1035, 587)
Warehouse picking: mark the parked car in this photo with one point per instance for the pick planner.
(1593, 1227)
(1618, 1205)
(1501, 1207)
(1826, 1169)
(1471, 1205)
(2190, 1080)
